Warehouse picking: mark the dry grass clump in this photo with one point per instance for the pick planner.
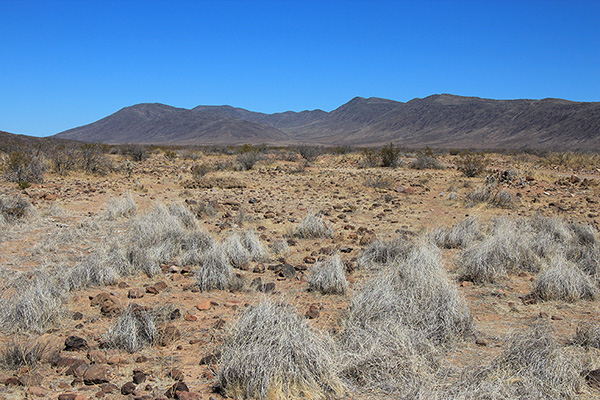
(280, 247)
(237, 254)
(134, 329)
(507, 248)
(463, 234)
(252, 243)
(381, 253)
(123, 207)
(393, 327)
(14, 208)
(313, 227)
(17, 354)
(194, 246)
(562, 280)
(31, 303)
(588, 334)
(328, 277)
(272, 353)
(491, 195)
(215, 271)
(532, 366)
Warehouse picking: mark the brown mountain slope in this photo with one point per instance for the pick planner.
(162, 124)
(442, 121)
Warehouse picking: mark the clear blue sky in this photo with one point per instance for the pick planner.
(69, 63)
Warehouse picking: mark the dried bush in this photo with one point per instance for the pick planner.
(471, 164)
(280, 247)
(382, 253)
(395, 322)
(15, 208)
(508, 248)
(93, 160)
(237, 254)
(248, 159)
(199, 170)
(133, 330)
(272, 353)
(379, 182)
(588, 334)
(492, 195)
(313, 227)
(64, 159)
(532, 366)
(31, 304)
(215, 271)
(24, 166)
(370, 158)
(328, 276)
(463, 234)
(562, 280)
(426, 159)
(123, 207)
(17, 354)
(309, 153)
(390, 156)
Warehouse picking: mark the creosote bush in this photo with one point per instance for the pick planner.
(328, 276)
(471, 164)
(313, 227)
(133, 330)
(24, 166)
(272, 353)
(426, 159)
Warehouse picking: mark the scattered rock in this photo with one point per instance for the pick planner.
(75, 343)
(177, 387)
(190, 317)
(188, 395)
(128, 388)
(204, 305)
(313, 311)
(160, 285)
(96, 374)
(176, 374)
(38, 391)
(168, 334)
(481, 342)
(135, 293)
(139, 377)
(97, 357)
(556, 318)
(151, 290)
(77, 316)
(67, 396)
(267, 287)
(32, 379)
(259, 268)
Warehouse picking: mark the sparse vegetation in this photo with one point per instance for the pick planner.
(272, 353)
(311, 227)
(471, 164)
(426, 159)
(562, 280)
(17, 354)
(461, 235)
(390, 156)
(134, 329)
(328, 277)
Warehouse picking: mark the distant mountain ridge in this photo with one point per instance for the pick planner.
(440, 121)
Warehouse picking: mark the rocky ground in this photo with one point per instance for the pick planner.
(71, 220)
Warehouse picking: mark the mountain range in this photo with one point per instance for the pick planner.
(438, 121)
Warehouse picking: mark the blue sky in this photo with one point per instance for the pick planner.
(69, 63)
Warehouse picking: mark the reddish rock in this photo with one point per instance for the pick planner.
(135, 293)
(38, 391)
(161, 285)
(190, 317)
(67, 396)
(96, 374)
(33, 379)
(171, 393)
(204, 305)
(151, 290)
(96, 357)
(128, 388)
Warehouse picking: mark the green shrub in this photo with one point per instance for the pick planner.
(390, 156)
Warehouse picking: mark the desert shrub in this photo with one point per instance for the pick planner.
(18, 353)
(170, 154)
(312, 227)
(64, 159)
(463, 234)
(395, 323)
(123, 207)
(508, 248)
(309, 153)
(280, 247)
(588, 334)
(426, 159)
(133, 330)
(272, 353)
(379, 181)
(328, 276)
(215, 271)
(15, 208)
(194, 245)
(93, 160)
(199, 170)
(247, 160)
(23, 166)
(370, 158)
(184, 215)
(31, 304)
(471, 164)
(137, 152)
(492, 195)
(574, 160)
(390, 156)
(382, 253)
(237, 254)
(532, 366)
(562, 280)
(251, 242)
